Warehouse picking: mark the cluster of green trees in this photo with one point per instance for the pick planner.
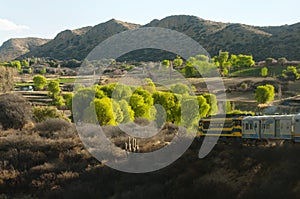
(54, 91)
(290, 73)
(224, 62)
(118, 103)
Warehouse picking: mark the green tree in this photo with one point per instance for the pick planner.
(166, 63)
(189, 112)
(264, 72)
(204, 107)
(178, 61)
(203, 58)
(108, 89)
(264, 94)
(211, 99)
(43, 113)
(54, 93)
(81, 100)
(222, 59)
(104, 111)
(170, 104)
(121, 91)
(43, 71)
(233, 60)
(180, 88)
(149, 85)
(141, 102)
(128, 113)
(117, 111)
(245, 60)
(189, 71)
(25, 63)
(17, 65)
(68, 97)
(39, 82)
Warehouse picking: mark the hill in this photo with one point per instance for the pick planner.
(261, 42)
(14, 48)
(76, 44)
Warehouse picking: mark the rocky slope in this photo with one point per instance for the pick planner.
(14, 48)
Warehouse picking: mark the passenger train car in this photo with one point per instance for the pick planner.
(270, 127)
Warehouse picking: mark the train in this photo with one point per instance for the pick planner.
(244, 126)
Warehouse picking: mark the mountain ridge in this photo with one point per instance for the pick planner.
(15, 47)
(259, 41)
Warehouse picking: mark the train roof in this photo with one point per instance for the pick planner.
(227, 116)
(262, 117)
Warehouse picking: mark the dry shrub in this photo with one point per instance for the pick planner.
(51, 125)
(15, 111)
(141, 121)
(113, 131)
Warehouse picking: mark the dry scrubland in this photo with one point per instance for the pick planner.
(43, 162)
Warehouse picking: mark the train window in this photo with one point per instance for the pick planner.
(251, 126)
(297, 120)
(263, 126)
(255, 126)
(247, 126)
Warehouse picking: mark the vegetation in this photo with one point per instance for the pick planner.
(264, 72)
(43, 113)
(39, 82)
(264, 94)
(15, 111)
(6, 79)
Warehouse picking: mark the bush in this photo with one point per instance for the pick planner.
(265, 93)
(39, 82)
(15, 111)
(52, 125)
(6, 79)
(43, 113)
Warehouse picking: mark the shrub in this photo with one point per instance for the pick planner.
(265, 93)
(15, 111)
(39, 82)
(6, 79)
(264, 72)
(180, 88)
(51, 125)
(43, 113)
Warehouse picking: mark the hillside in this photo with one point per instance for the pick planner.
(14, 48)
(76, 44)
(261, 42)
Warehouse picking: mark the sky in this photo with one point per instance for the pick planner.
(46, 18)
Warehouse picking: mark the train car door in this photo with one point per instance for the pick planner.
(257, 127)
(297, 128)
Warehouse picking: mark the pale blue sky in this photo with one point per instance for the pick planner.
(45, 18)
